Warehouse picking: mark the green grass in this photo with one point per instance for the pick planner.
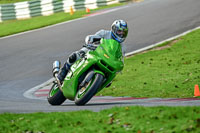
(123, 119)
(170, 72)
(16, 26)
(11, 1)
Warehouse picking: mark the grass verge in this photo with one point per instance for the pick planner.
(171, 71)
(11, 1)
(16, 26)
(123, 119)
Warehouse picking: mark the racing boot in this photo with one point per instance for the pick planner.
(63, 72)
(70, 61)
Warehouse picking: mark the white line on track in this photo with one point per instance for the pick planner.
(70, 21)
(153, 45)
(29, 93)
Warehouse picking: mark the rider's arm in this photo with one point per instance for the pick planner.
(90, 39)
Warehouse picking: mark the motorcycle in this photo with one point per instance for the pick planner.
(88, 75)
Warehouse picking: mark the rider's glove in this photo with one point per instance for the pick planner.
(90, 46)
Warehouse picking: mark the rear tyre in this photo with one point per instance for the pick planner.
(85, 93)
(55, 96)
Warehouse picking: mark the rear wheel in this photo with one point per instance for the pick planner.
(85, 93)
(55, 96)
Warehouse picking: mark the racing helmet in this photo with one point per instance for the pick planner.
(119, 30)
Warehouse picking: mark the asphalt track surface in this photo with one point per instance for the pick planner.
(26, 59)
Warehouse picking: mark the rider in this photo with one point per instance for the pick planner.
(119, 31)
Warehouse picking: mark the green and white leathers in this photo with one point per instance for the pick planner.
(90, 74)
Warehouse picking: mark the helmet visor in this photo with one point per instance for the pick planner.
(122, 33)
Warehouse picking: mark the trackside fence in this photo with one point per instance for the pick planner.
(28, 9)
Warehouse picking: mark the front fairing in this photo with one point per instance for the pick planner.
(110, 53)
(107, 58)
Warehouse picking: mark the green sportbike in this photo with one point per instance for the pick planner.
(88, 75)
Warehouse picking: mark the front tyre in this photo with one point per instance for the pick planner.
(55, 96)
(85, 93)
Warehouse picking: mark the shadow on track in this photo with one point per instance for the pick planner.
(104, 104)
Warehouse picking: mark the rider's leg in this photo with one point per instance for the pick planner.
(70, 61)
(64, 70)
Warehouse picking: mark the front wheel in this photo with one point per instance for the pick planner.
(85, 93)
(55, 96)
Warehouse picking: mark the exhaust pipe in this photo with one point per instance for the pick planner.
(56, 67)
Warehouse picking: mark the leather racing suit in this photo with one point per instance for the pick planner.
(89, 40)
